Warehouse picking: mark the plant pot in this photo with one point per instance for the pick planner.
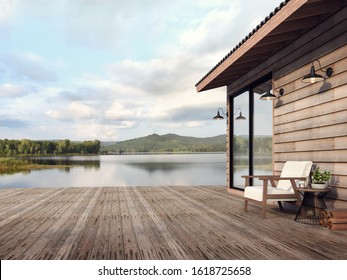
(319, 186)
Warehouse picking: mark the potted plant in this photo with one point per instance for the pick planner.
(320, 178)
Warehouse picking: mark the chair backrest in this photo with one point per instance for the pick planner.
(294, 169)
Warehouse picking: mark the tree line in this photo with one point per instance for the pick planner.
(261, 145)
(42, 148)
(171, 143)
(168, 143)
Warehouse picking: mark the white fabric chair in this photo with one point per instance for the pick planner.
(283, 187)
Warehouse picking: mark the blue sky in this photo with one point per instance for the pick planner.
(115, 70)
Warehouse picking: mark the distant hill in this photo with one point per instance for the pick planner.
(168, 143)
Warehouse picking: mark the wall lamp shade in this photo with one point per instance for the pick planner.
(313, 77)
(240, 117)
(220, 117)
(270, 96)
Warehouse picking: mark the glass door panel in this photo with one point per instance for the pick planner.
(240, 151)
(262, 131)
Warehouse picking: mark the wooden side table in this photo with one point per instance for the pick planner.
(311, 206)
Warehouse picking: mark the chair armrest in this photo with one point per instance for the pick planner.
(274, 178)
(260, 176)
(264, 178)
(292, 178)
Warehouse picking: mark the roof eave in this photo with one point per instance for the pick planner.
(210, 80)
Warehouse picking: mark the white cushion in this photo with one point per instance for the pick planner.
(256, 193)
(294, 169)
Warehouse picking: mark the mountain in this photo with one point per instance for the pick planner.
(168, 143)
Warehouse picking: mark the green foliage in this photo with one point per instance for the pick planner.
(172, 143)
(320, 177)
(262, 145)
(8, 165)
(42, 148)
(169, 143)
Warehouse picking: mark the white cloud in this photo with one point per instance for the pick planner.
(13, 91)
(75, 110)
(214, 31)
(91, 130)
(28, 66)
(6, 10)
(117, 65)
(123, 110)
(12, 122)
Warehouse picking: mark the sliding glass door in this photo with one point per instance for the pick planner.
(262, 131)
(251, 151)
(240, 151)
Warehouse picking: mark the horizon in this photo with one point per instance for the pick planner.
(136, 137)
(130, 71)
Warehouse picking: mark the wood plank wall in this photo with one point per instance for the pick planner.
(310, 120)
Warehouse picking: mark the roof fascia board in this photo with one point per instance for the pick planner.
(275, 21)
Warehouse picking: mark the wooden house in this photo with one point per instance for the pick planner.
(307, 121)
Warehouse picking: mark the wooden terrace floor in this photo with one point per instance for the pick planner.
(153, 223)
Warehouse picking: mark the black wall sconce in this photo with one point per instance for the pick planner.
(269, 96)
(313, 77)
(220, 117)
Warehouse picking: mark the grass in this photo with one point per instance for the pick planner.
(11, 165)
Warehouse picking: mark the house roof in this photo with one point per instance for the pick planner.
(290, 20)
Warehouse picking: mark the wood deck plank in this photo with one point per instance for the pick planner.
(154, 223)
(156, 237)
(47, 215)
(70, 246)
(116, 244)
(100, 249)
(183, 223)
(87, 240)
(61, 230)
(129, 239)
(177, 240)
(144, 242)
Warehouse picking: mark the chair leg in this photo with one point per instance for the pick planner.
(246, 204)
(280, 205)
(263, 212)
(263, 209)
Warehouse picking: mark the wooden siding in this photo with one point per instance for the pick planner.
(278, 30)
(143, 223)
(310, 120)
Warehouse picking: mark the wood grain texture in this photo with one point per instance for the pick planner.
(144, 223)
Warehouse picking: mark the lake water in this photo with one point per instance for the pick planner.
(124, 170)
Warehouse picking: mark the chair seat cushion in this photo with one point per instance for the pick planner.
(256, 193)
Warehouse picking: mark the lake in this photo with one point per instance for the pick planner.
(123, 170)
(133, 170)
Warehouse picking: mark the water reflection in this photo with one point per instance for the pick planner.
(259, 160)
(123, 170)
(130, 170)
(156, 166)
(69, 162)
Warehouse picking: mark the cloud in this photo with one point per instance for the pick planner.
(75, 110)
(125, 67)
(95, 131)
(123, 110)
(7, 9)
(212, 32)
(28, 66)
(9, 122)
(13, 91)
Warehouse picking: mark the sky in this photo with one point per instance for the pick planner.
(114, 70)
